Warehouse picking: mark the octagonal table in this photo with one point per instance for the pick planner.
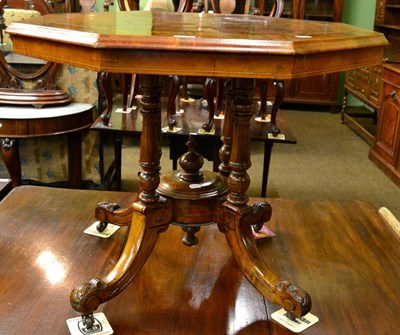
(159, 43)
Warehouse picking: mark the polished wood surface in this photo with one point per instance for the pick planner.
(196, 44)
(342, 253)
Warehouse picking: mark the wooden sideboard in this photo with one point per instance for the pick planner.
(386, 150)
(366, 83)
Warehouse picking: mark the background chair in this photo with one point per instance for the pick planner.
(127, 84)
(213, 89)
(66, 92)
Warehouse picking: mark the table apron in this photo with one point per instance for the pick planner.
(211, 64)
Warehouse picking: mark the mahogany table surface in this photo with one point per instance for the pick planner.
(342, 253)
(163, 43)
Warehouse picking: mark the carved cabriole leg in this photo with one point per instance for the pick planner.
(263, 88)
(105, 86)
(209, 94)
(280, 94)
(238, 216)
(151, 213)
(10, 154)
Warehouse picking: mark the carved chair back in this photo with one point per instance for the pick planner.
(244, 7)
(35, 73)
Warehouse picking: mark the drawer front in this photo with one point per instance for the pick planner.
(365, 83)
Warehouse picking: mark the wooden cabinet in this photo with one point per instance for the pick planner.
(387, 21)
(386, 150)
(319, 90)
(365, 83)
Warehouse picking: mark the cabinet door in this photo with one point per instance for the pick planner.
(388, 132)
(319, 89)
(323, 10)
(316, 89)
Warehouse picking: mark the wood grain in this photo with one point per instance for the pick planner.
(342, 253)
(198, 45)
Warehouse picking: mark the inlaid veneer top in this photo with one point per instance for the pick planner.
(157, 30)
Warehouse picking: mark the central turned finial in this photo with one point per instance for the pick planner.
(191, 162)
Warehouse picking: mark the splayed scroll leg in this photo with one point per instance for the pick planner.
(237, 226)
(147, 223)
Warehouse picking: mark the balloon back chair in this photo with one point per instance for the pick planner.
(33, 106)
(213, 88)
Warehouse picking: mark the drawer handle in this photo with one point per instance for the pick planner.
(392, 95)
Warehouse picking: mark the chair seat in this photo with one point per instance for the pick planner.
(25, 112)
(22, 122)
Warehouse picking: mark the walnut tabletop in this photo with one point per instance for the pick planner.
(157, 42)
(342, 253)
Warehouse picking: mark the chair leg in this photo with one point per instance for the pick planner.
(209, 94)
(10, 154)
(263, 88)
(174, 83)
(219, 95)
(344, 105)
(75, 160)
(134, 90)
(185, 94)
(124, 88)
(280, 94)
(105, 85)
(118, 160)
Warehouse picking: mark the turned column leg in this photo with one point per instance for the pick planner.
(225, 151)
(10, 154)
(238, 216)
(150, 148)
(151, 213)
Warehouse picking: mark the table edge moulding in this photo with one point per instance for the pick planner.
(112, 53)
(240, 47)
